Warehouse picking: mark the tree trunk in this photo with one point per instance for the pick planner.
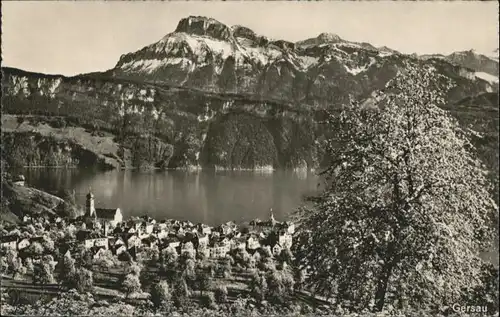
(314, 300)
(390, 255)
(401, 302)
(385, 275)
(341, 289)
(382, 287)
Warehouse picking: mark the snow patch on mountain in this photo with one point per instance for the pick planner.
(20, 84)
(221, 48)
(308, 61)
(488, 77)
(244, 41)
(360, 69)
(262, 55)
(151, 65)
(145, 65)
(385, 54)
(348, 44)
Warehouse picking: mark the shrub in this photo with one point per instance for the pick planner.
(220, 294)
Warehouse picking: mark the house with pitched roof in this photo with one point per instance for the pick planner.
(276, 249)
(135, 224)
(119, 241)
(203, 228)
(162, 233)
(101, 242)
(23, 244)
(218, 248)
(120, 249)
(97, 251)
(162, 225)
(227, 228)
(290, 227)
(201, 241)
(252, 242)
(148, 219)
(187, 247)
(238, 244)
(132, 240)
(147, 227)
(149, 241)
(285, 240)
(8, 242)
(280, 237)
(256, 255)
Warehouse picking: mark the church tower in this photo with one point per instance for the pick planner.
(271, 217)
(89, 205)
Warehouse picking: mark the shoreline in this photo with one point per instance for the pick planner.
(187, 169)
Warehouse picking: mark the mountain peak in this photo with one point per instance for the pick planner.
(200, 25)
(472, 53)
(323, 38)
(329, 38)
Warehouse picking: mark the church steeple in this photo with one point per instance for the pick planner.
(271, 217)
(89, 204)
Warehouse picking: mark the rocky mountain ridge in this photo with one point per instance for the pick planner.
(486, 66)
(205, 54)
(209, 95)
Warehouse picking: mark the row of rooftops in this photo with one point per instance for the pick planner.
(172, 236)
(179, 225)
(178, 230)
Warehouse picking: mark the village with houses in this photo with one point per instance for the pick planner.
(107, 249)
(103, 229)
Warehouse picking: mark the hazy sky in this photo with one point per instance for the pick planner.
(75, 37)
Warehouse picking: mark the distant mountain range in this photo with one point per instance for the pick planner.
(205, 54)
(486, 67)
(211, 95)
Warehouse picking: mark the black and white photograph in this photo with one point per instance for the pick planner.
(249, 158)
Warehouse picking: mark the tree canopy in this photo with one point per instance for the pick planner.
(406, 205)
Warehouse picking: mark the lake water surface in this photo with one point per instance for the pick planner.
(211, 197)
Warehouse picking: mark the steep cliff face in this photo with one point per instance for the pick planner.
(145, 152)
(35, 150)
(239, 141)
(209, 95)
(147, 125)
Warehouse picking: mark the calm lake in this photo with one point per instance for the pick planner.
(211, 197)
